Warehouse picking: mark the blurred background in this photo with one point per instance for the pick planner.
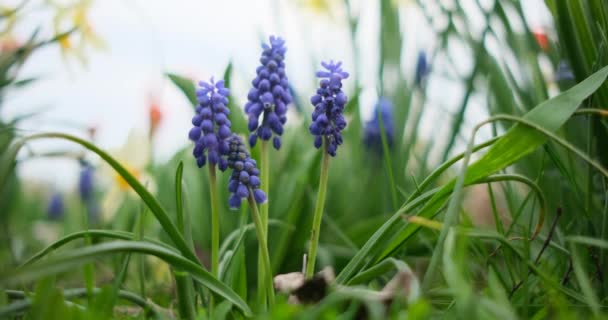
(107, 79)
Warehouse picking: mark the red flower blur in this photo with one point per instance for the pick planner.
(542, 39)
(155, 115)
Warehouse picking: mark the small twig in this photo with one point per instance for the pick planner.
(517, 286)
(568, 272)
(550, 235)
(598, 267)
(542, 250)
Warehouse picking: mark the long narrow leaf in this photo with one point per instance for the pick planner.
(74, 258)
(516, 143)
(186, 86)
(8, 161)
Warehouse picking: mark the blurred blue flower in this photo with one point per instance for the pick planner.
(564, 72)
(372, 136)
(211, 125)
(422, 69)
(245, 175)
(329, 102)
(86, 182)
(270, 95)
(55, 208)
(86, 190)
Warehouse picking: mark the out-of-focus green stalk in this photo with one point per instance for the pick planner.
(316, 224)
(89, 269)
(412, 138)
(458, 119)
(387, 159)
(259, 228)
(185, 295)
(141, 261)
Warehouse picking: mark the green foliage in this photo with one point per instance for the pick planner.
(401, 248)
(185, 86)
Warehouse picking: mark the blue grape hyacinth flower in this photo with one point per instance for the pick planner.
(85, 182)
(211, 125)
(564, 72)
(329, 102)
(372, 136)
(245, 175)
(269, 96)
(86, 189)
(422, 69)
(55, 208)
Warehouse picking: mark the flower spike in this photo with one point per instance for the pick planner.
(211, 125)
(269, 96)
(245, 175)
(329, 103)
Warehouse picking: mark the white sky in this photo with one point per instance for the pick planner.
(197, 39)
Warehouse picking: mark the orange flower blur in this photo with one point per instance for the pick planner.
(9, 44)
(155, 115)
(541, 39)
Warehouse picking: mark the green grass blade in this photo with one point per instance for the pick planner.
(26, 302)
(185, 288)
(71, 259)
(94, 234)
(152, 203)
(519, 141)
(516, 143)
(387, 159)
(374, 243)
(584, 282)
(379, 270)
(228, 75)
(138, 235)
(237, 115)
(546, 277)
(602, 244)
(186, 86)
(178, 196)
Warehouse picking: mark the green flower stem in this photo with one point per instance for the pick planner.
(185, 295)
(141, 261)
(259, 228)
(265, 169)
(184, 285)
(89, 271)
(215, 227)
(316, 224)
(215, 222)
